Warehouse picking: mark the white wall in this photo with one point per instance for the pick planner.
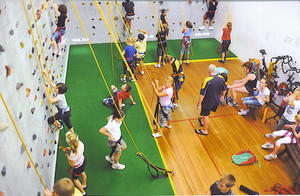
(270, 25)
(20, 180)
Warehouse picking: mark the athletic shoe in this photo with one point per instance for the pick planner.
(211, 28)
(233, 104)
(168, 126)
(267, 145)
(84, 187)
(187, 62)
(58, 54)
(157, 65)
(243, 113)
(223, 103)
(111, 160)
(84, 194)
(164, 63)
(202, 28)
(221, 61)
(131, 79)
(230, 99)
(123, 80)
(123, 104)
(142, 72)
(156, 135)
(175, 105)
(118, 166)
(268, 135)
(270, 157)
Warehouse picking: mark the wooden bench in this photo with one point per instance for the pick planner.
(252, 109)
(293, 151)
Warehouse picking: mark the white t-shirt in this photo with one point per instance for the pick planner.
(141, 46)
(262, 94)
(78, 158)
(114, 128)
(166, 100)
(62, 102)
(291, 111)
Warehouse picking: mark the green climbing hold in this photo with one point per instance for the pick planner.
(22, 44)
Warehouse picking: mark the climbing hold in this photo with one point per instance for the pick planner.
(179, 23)
(94, 34)
(45, 152)
(91, 3)
(34, 72)
(32, 110)
(145, 16)
(99, 2)
(53, 78)
(44, 117)
(52, 24)
(22, 149)
(153, 25)
(32, 50)
(194, 23)
(43, 44)
(83, 3)
(22, 44)
(53, 152)
(1, 48)
(29, 6)
(93, 18)
(43, 26)
(57, 76)
(28, 164)
(35, 97)
(34, 136)
(50, 152)
(36, 164)
(51, 141)
(42, 103)
(20, 115)
(11, 32)
(3, 126)
(138, 17)
(38, 88)
(46, 39)
(32, 26)
(51, 58)
(1, 193)
(68, 20)
(152, 16)
(38, 13)
(190, 2)
(46, 58)
(31, 149)
(30, 56)
(19, 85)
(17, 24)
(45, 5)
(100, 18)
(29, 31)
(46, 107)
(161, 2)
(3, 172)
(0, 11)
(48, 164)
(44, 95)
(93, 27)
(8, 70)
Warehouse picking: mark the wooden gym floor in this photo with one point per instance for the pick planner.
(199, 161)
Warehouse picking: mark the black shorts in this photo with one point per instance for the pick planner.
(77, 171)
(160, 51)
(209, 15)
(225, 45)
(206, 111)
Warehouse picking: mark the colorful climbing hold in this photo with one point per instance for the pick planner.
(8, 70)
(93, 27)
(33, 72)
(11, 32)
(38, 14)
(22, 149)
(43, 26)
(38, 88)
(45, 152)
(3, 172)
(29, 6)
(3, 126)
(68, 20)
(36, 164)
(42, 103)
(35, 97)
(31, 149)
(34, 136)
(28, 90)
(1, 48)
(22, 45)
(46, 107)
(28, 164)
(48, 164)
(19, 85)
(32, 110)
(83, 3)
(29, 31)
(20, 115)
(45, 117)
(50, 152)
(30, 56)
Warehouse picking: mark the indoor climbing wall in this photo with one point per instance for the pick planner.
(23, 51)
(147, 14)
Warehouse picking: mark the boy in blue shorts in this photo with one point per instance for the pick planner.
(129, 54)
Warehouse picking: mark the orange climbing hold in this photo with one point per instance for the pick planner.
(28, 164)
(8, 70)
(35, 97)
(45, 152)
(28, 90)
(38, 14)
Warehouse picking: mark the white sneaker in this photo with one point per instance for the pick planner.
(233, 104)
(131, 79)
(180, 62)
(111, 160)
(268, 135)
(123, 80)
(243, 113)
(187, 61)
(270, 157)
(211, 28)
(267, 145)
(156, 135)
(123, 104)
(157, 65)
(59, 53)
(113, 88)
(118, 166)
(142, 72)
(164, 63)
(168, 126)
(175, 105)
(202, 28)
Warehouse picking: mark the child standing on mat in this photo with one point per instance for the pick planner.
(119, 96)
(129, 54)
(222, 186)
(76, 160)
(165, 95)
(212, 6)
(61, 10)
(115, 140)
(161, 44)
(226, 40)
(64, 111)
(186, 42)
(141, 47)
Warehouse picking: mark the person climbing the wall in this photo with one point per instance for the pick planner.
(186, 42)
(141, 47)
(162, 44)
(129, 8)
(226, 40)
(163, 17)
(64, 111)
(129, 53)
(61, 11)
(212, 6)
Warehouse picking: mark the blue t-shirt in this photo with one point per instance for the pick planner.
(129, 52)
(223, 69)
(188, 32)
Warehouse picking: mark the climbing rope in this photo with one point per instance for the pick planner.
(12, 120)
(37, 53)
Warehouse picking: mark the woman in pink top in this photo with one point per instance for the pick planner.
(226, 40)
(165, 94)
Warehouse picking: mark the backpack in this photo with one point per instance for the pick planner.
(245, 157)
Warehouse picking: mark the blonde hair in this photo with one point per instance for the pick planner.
(72, 140)
(169, 79)
(129, 41)
(212, 68)
(297, 90)
(169, 58)
(297, 118)
(228, 179)
(64, 187)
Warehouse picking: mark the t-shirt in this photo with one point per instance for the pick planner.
(129, 8)
(61, 20)
(291, 111)
(212, 7)
(214, 189)
(161, 38)
(262, 94)
(226, 34)
(78, 158)
(188, 32)
(129, 52)
(177, 66)
(221, 69)
(166, 100)
(141, 46)
(163, 19)
(114, 128)
(123, 95)
(62, 103)
(211, 90)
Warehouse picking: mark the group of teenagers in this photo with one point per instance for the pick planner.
(212, 93)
